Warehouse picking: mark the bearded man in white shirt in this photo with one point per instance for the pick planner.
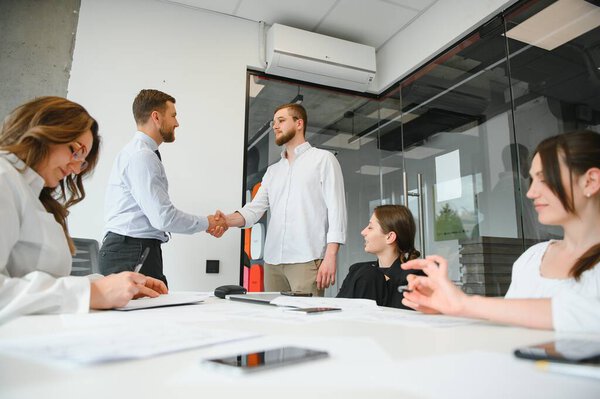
(138, 211)
(304, 193)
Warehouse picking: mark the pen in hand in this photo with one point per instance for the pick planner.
(404, 288)
(138, 267)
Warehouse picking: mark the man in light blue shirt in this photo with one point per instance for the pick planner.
(138, 211)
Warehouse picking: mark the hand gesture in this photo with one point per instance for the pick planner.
(433, 293)
(217, 224)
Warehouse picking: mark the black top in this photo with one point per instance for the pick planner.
(367, 280)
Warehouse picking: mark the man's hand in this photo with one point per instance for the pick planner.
(326, 273)
(217, 224)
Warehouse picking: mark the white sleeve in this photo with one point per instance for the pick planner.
(255, 209)
(335, 199)
(144, 175)
(521, 283)
(575, 313)
(39, 292)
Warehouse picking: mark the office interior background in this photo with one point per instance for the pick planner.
(455, 109)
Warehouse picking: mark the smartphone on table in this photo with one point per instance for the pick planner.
(315, 310)
(271, 358)
(296, 293)
(563, 351)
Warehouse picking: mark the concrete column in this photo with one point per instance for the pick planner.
(36, 49)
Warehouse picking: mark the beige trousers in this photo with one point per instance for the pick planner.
(293, 277)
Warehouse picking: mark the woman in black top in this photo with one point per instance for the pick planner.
(390, 236)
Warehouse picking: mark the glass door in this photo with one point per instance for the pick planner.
(458, 150)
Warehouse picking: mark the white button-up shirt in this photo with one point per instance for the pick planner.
(137, 197)
(307, 204)
(34, 254)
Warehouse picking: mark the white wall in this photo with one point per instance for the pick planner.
(201, 59)
(438, 27)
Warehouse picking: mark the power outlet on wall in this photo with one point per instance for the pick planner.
(212, 266)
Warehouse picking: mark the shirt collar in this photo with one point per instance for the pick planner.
(32, 178)
(395, 265)
(146, 139)
(301, 149)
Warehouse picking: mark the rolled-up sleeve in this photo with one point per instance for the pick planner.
(335, 200)
(255, 209)
(572, 312)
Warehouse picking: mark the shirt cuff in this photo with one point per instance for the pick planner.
(336, 236)
(203, 226)
(77, 295)
(246, 215)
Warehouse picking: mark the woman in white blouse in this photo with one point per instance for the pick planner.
(47, 146)
(555, 284)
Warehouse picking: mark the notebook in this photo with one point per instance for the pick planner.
(264, 298)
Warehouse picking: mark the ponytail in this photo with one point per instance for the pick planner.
(587, 261)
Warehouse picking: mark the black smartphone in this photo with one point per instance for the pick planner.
(271, 358)
(563, 351)
(296, 293)
(315, 310)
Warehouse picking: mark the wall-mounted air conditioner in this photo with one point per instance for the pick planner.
(308, 56)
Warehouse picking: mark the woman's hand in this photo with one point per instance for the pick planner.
(117, 290)
(434, 292)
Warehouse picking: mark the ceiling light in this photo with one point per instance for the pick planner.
(373, 170)
(342, 140)
(557, 24)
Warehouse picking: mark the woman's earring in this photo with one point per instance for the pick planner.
(588, 195)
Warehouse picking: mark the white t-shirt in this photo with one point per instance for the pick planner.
(575, 304)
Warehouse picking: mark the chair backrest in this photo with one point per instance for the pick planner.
(85, 260)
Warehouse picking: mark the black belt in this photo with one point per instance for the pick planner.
(127, 239)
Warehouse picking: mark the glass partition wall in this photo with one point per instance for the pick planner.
(453, 140)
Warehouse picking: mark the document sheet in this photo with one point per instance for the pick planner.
(133, 341)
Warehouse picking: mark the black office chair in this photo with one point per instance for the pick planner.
(85, 260)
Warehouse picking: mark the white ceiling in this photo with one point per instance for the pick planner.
(370, 22)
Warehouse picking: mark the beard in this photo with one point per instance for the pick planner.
(168, 136)
(284, 137)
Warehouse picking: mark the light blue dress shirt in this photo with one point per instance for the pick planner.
(137, 197)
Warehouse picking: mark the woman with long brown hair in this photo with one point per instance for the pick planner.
(47, 147)
(390, 236)
(555, 284)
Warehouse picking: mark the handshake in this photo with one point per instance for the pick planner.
(217, 224)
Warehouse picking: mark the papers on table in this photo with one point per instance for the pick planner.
(173, 299)
(314, 302)
(366, 310)
(123, 342)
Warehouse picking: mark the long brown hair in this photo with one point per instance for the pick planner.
(399, 219)
(30, 129)
(580, 152)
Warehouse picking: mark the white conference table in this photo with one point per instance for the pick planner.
(368, 359)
